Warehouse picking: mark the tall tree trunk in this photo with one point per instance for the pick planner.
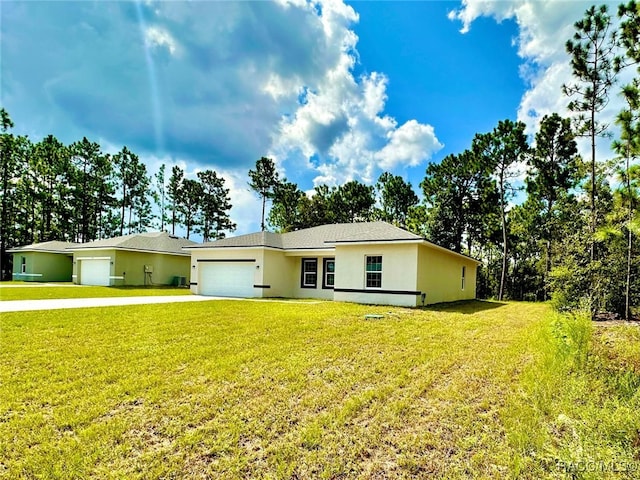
(264, 201)
(594, 280)
(503, 275)
(627, 293)
(627, 290)
(547, 263)
(85, 199)
(124, 196)
(459, 229)
(592, 228)
(162, 213)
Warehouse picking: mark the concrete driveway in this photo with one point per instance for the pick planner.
(56, 304)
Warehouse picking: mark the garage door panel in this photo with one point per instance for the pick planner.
(95, 272)
(227, 279)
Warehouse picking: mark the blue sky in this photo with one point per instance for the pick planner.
(332, 91)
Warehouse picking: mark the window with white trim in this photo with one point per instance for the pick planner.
(309, 273)
(464, 271)
(23, 265)
(329, 272)
(373, 271)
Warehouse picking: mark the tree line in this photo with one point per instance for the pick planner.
(571, 237)
(546, 223)
(292, 209)
(78, 193)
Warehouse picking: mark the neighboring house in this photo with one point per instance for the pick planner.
(371, 263)
(140, 259)
(43, 262)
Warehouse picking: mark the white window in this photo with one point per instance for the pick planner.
(23, 265)
(309, 273)
(373, 271)
(464, 271)
(329, 269)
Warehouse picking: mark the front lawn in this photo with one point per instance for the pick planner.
(233, 389)
(29, 291)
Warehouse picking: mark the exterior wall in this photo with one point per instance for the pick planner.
(399, 273)
(127, 268)
(278, 273)
(43, 267)
(440, 276)
(306, 292)
(78, 256)
(408, 271)
(226, 254)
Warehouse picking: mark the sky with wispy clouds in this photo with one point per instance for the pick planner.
(331, 90)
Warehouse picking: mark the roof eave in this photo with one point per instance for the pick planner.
(128, 249)
(38, 250)
(292, 252)
(402, 241)
(231, 247)
(443, 249)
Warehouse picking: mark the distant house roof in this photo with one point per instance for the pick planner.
(54, 246)
(155, 242)
(323, 236)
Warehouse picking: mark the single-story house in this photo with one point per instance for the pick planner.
(155, 258)
(43, 262)
(371, 263)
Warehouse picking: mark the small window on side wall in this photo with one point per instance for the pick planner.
(309, 273)
(373, 271)
(464, 271)
(329, 269)
(23, 265)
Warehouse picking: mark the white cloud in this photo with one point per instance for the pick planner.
(215, 84)
(544, 27)
(408, 145)
(473, 9)
(341, 121)
(159, 37)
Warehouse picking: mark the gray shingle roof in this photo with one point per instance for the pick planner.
(54, 246)
(158, 242)
(258, 239)
(323, 236)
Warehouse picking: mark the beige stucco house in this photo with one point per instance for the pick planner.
(43, 262)
(155, 258)
(371, 263)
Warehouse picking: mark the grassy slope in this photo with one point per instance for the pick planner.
(244, 389)
(73, 291)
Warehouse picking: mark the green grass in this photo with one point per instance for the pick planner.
(42, 292)
(234, 389)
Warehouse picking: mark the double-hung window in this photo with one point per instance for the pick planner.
(464, 271)
(329, 270)
(373, 271)
(309, 273)
(23, 265)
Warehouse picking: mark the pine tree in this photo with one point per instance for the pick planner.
(592, 51)
(263, 181)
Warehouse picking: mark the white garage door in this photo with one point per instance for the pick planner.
(95, 272)
(226, 279)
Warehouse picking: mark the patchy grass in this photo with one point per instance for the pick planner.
(234, 389)
(41, 292)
